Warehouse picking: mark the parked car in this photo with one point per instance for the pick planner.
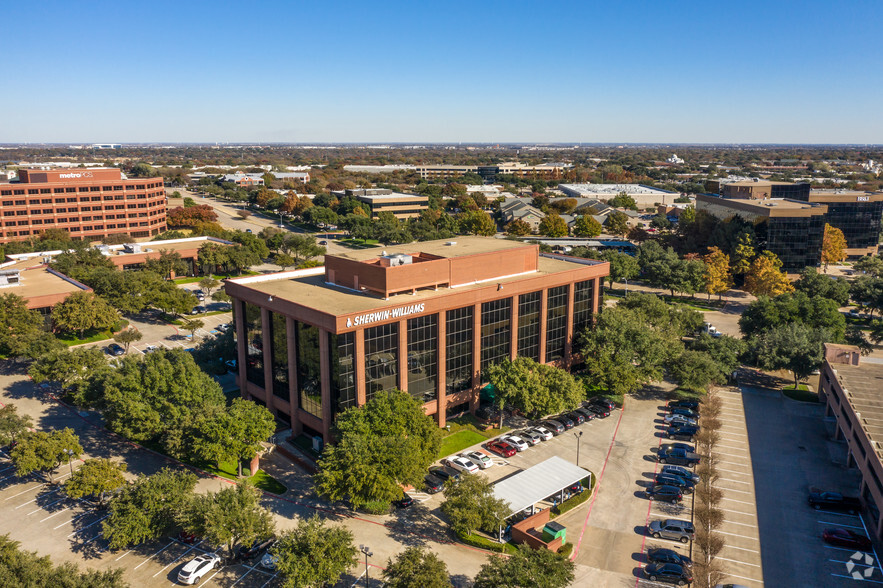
(604, 402)
(679, 419)
(501, 448)
(517, 442)
(268, 562)
(677, 457)
(681, 472)
(480, 459)
(323, 242)
(668, 572)
(687, 412)
(662, 493)
(566, 421)
(686, 486)
(599, 410)
(683, 433)
(115, 349)
(231, 364)
(691, 404)
(198, 310)
(434, 484)
(462, 464)
(834, 501)
(576, 417)
(199, 566)
(554, 426)
(199, 294)
(543, 432)
(444, 473)
(663, 555)
(531, 437)
(670, 446)
(846, 538)
(588, 414)
(224, 327)
(187, 538)
(150, 348)
(674, 529)
(404, 502)
(256, 548)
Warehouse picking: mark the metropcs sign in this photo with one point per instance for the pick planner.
(73, 175)
(382, 315)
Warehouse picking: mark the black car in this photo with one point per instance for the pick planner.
(676, 481)
(255, 549)
(665, 447)
(434, 484)
(554, 426)
(599, 410)
(662, 555)
(603, 402)
(687, 412)
(588, 414)
(576, 417)
(668, 572)
(678, 457)
(444, 473)
(685, 433)
(691, 404)
(566, 421)
(681, 473)
(404, 502)
(665, 493)
(115, 349)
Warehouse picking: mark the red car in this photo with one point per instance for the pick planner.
(188, 538)
(845, 538)
(501, 448)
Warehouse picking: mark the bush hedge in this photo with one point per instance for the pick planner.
(566, 549)
(575, 500)
(485, 543)
(375, 507)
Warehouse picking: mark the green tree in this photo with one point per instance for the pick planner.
(476, 222)
(82, 311)
(833, 246)
(554, 226)
(142, 170)
(21, 330)
(617, 223)
(26, 568)
(518, 228)
(232, 516)
(147, 509)
(470, 504)
(312, 555)
(765, 277)
(871, 265)
(208, 285)
(320, 216)
(622, 266)
(815, 312)
(172, 299)
(868, 292)
(192, 325)
(382, 445)
(416, 567)
(74, 369)
(167, 264)
(623, 200)
(44, 452)
(12, 424)
(528, 568)
(127, 336)
(235, 434)
(284, 260)
(696, 371)
(96, 477)
(796, 348)
(815, 284)
(725, 350)
(533, 388)
(587, 226)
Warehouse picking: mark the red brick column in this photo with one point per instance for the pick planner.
(359, 367)
(403, 355)
(544, 309)
(325, 384)
(441, 363)
(293, 397)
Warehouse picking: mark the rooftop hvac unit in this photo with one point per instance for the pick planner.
(396, 259)
(132, 248)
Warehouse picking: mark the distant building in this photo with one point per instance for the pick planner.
(674, 159)
(379, 200)
(644, 196)
(755, 189)
(302, 177)
(544, 171)
(857, 214)
(244, 180)
(520, 209)
(378, 169)
(87, 203)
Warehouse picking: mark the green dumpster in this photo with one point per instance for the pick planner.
(553, 530)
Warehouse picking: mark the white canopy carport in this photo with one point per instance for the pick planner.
(537, 483)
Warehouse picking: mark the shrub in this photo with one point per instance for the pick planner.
(485, 543)
(375, 507)
(566, 549)
(576, 500)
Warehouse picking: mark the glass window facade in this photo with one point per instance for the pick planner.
(423, 357)
(254, 352)
(556, 322)
(859, 221)
(308, 370)
(583, 295)
(496, 331)
(381, 359)
(458, 350)
(529, 325)
(342, 351)
(797, 241)
(279, 353)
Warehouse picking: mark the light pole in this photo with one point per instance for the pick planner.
(367, 551)
(70, 454)
(626, 287)
(577, 435)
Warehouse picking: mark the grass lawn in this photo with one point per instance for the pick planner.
(70, 340)
(215, 276)
(802, 393)
(359, 243)
(593, 391)
(459, 441)
(261, 479)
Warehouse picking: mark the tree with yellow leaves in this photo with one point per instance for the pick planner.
(833, 246)
(718, 278)
(765, 276)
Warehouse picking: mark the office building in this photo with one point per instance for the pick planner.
(383, 200)
(756, 189)
(857, 214)
(543, 171)
(88, 203)
(426, 318)
(644, 196)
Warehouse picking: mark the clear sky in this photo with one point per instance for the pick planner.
(767, 71)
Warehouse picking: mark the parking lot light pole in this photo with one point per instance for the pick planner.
(367, 551)
(577, 435)
(70, 454)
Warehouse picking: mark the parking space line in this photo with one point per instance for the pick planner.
(123, 555)
(728, 546)
(730, 454)
(35, 499)
(26, 491)
(737, 491)
(750, 514)
(12, 467)
(241, 578)
(744, 578)
(739, 501)
(89, 525)
(744, 563)
(177, 558)
(862, 580)
(731, 471)
(740, 524)
(735, 434)
(81, 515)
(844, 549)
(271, 579)
(731, 447)
(56, 513)
(839, 524)
(874, 549)
(855, 563)
(155, 554)
(48, 505)
(755, 539)
(839, 514)
(212, 576)
(734, 481)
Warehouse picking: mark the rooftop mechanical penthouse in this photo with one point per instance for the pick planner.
(426, 318)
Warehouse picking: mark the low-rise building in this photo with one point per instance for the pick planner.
(379, 200)
(302, 177)
(857, 214)
(244, 180)
(756, 189)
(543, 171)
(644, 196)
(520, 209)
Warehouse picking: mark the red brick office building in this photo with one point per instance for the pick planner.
(426, 318)
(88, 203)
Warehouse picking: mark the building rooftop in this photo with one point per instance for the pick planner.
(612, 189)
(457, 247)
(37, 283)
(133, 249)
(863, 386)
(770, 207)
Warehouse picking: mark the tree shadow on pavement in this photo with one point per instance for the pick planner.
(417, 525)
(759, 379)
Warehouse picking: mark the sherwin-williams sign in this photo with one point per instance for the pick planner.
(383, 315)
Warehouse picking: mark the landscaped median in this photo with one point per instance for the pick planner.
(801, 393)
(464, 432)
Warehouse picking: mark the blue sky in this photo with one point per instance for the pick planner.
(768, 71)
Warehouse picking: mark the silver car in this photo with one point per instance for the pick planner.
(674, 529)
(531, 436)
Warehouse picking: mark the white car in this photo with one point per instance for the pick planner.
(269, 560)
(151, 348)
(546, 434)
(198, 567)
(517, 442)
(480, 459)
(462, 464)
(531, 437)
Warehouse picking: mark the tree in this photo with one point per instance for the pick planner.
(587, 226)
(284, 260)
(21, 330)
(12, 424)
(243, 213)
(470, 504)
(870, 264)
(386, 443)
(476, 222)
(43, 452)
(96, 477)
(554, 226)
(82, 311)
(166, 264)
(622, 266)
(518, 228)
(208, 285)
(833, 246)
(72, 368)
(617, 223)
(142, 170)
(26, 568)
(235, 434)
(192, 325)
(232, 516)
(320, 216)
(725, 350)
(793, 347)
(148, 508)
(127, 336)
(191, 216)
(743, 254)
(528, 568)
(623, 200)
(765, 278)
(815, 312)
(660, 221)
(416, 567)
(533, 388)
(868, 291)
(696, 371)
(718, 278)
(815, 284)
(172, 299)
(312, 555)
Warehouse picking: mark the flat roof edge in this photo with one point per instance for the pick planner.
(311, 271)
